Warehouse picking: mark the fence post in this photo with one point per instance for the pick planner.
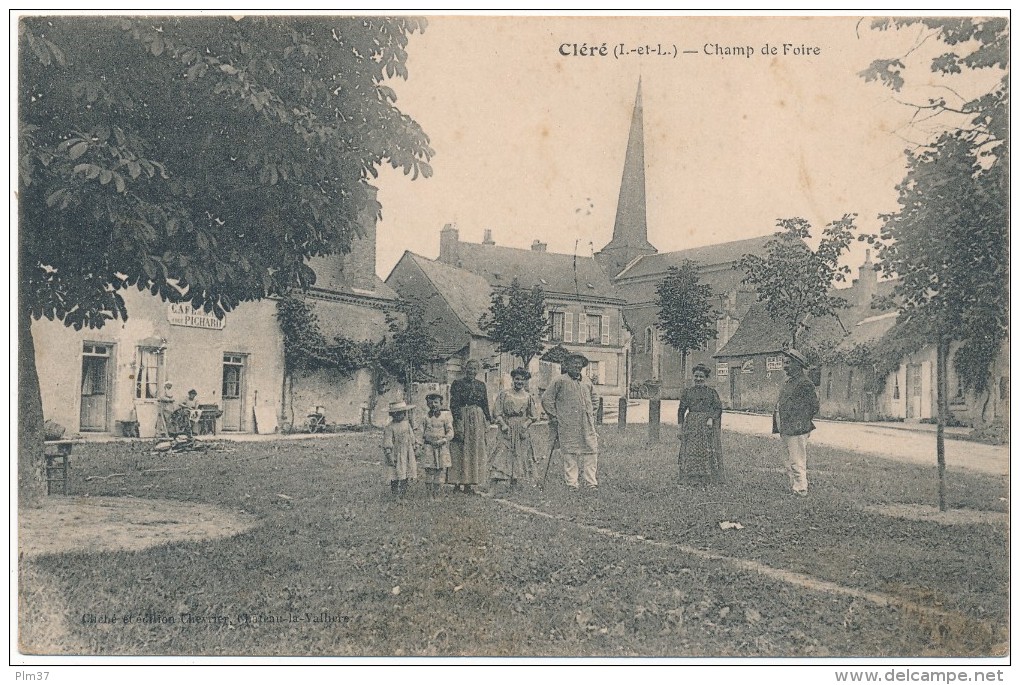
(654, 409)
(621, 420)
(599, 414)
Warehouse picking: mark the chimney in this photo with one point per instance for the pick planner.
(866, 284)
(487, 239)
(449, 240)
(538, 246)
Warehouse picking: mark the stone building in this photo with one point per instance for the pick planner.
(93, 381)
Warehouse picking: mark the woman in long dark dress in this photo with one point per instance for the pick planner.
(469, 404)
(700, 421)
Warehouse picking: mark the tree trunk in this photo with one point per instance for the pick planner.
(31, 481)
(941, 354)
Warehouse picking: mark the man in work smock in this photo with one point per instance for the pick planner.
(570, 403)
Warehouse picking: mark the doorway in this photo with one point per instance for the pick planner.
(913, 391)
(233, 391)
(735, 388)
(95, 387)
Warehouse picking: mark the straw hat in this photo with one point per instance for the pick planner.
(399, 406)
(797, 356)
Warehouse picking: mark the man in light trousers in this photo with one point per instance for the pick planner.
(570, 403)
(797, 405)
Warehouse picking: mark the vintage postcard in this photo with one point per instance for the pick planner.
(513, 337)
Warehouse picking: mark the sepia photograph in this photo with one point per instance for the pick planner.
(502, 340)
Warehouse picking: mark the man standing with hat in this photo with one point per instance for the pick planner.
(570, 403)
(797, 405)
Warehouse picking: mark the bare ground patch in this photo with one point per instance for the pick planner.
(109, 524)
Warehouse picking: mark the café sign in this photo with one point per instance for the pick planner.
(184, 314)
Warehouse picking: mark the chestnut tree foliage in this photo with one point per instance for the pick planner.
(949, 241)
(201, 159)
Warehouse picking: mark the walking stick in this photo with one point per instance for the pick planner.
(548, 463)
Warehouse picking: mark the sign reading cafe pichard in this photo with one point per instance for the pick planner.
(186, 315)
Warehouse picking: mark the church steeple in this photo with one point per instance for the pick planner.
(630, 232)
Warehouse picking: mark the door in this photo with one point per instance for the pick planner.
(95, 388)
(735, 388)
(233, 392)
(914, 391)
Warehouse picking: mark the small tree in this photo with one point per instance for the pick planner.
(949, 241)
(686, 317)
(407, 349)
(516, 321)
(795, 282)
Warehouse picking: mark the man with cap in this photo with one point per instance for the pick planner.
(570, 403)
(797, 405)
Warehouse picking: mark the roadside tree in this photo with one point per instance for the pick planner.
(516, 320)
(686, 317)
(795, 282)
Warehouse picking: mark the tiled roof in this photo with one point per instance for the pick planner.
(467, 294)
(758, 333)
(708, 255)
(553, 271)
(869, 330)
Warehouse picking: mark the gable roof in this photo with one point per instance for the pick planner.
(708, 255)
(467, 295)
(552, 271)
(758, 333)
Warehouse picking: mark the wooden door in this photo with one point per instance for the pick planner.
(233, 392)
(735, 388)
(95, 388)
(914, 391)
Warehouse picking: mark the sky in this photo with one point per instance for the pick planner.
(530, 143)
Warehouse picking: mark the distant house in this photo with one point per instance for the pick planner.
(749, 366)
(583, 306)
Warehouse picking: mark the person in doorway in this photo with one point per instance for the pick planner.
(570, 403)
(515, 410)
(469, 404)
(167, 406)
(399, 443)
(437, 432)
(699, 417)
(796, 406)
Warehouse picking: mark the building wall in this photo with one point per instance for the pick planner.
(748, 384)
(193, 358)
(608, 353)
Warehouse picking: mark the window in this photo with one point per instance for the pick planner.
(594, 329)
(959, 388)
(896, 386)
(233, 365)
(722, 370)
(649, 339)
(557, 320)
(850, 384)
(828, 385)
(149, 373)
(773, 363)
(593, 373)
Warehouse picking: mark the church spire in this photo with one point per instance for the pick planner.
(630, 232)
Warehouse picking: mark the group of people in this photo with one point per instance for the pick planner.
(699, 417)
(452, 448)
(177, 418)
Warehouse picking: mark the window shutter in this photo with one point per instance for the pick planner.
(582, 328)
(605, 330)
(612, 370)
(548, 326)
(568, 327)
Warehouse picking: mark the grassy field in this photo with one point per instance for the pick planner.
(476, 576)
